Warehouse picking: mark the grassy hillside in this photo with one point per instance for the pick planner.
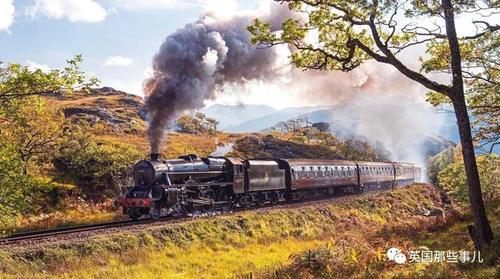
(356, 231)
(88, 169)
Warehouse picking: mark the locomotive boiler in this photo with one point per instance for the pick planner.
(176, 184)
(191, 183)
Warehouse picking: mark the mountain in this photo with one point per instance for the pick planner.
(414, 119)
(116, 111)
(234, 115)
(432, 145)
(408, 131)
(264, 122)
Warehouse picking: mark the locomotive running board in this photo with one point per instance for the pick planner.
(198, 185)
(207, 202)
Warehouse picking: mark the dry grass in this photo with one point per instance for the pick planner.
(261, 243)
(76, 212)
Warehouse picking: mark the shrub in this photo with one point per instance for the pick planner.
(21, 193)
(98, 167)
(452, 179)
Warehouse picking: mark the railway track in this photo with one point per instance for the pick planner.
(32, 235)
(40, 234)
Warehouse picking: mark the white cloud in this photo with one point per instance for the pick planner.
(34, 66)
(73, 10)
(153, 4)
(7, 11)
(117, 61)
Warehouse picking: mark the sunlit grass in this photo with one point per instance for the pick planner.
(79, 213)
(342, 240)
(200, 260)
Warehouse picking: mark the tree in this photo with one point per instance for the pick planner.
(321, 126)
(26, 120)
(439, 162)
(480, 60)
(453, 181)
(292, 125)
(98, 167)
(352, 32)
(34, 129)
(18, 81)
(197, 124)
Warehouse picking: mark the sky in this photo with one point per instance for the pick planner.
(118, 39)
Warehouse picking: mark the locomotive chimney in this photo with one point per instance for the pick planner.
(155, 156)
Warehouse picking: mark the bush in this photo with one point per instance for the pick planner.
(196, 124)
(21, 193)
(98, 167)
(452, 178)
(439, 162)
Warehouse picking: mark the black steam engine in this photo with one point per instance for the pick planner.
(190, 183)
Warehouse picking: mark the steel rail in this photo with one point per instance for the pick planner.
(70, 229)
(30, 235)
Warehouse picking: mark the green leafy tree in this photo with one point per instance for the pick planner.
(352, 32)
(452, 178)
(26, 120)
(18, 81)
(30, 128)
(197, 124)
(21, 193)
(439, 162)
(98, 167)
(34, 129)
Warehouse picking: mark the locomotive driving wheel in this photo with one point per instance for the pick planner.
(209, 195)
(133, 213)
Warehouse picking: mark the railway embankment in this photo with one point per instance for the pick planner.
(259, 242)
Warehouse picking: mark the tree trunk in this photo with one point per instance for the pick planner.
(481, 232)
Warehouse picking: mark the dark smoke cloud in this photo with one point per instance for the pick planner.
(197, 60)
(207, 56)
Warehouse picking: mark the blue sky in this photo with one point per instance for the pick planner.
(118, 39)
(125, 33)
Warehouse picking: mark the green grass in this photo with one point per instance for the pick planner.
(254, 242)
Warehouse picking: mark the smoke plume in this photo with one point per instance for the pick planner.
(197, 60)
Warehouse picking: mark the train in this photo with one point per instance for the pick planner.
(192, 184)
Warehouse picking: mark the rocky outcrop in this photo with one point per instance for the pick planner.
(256, 146)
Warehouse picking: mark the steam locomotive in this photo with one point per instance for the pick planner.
(191, 183)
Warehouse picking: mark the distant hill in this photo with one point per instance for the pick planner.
(117, 111)
(234, 115)
(122, 113)
(261, 123)
(408, 131)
